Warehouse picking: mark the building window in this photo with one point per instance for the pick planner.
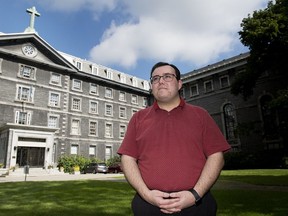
(79, 65)
(108, 93)
(93, 107)
(54, 99)
(109, 74)
(122, 112)
(146, 85)
(145, 102)
(22, 117)
(75, 127)
(108, 152)
(109, 130)
(94, 70)
(25, 93)
(27, 72)
(76, 104)
(122, 96)
(92, 151)
(108, 110)
(122, 78)
(77, 85)
(55, 79)
(134, 81)
(230, 123)
(53, 121)
(224, 81)
(134, 111)
(194, 90)
(93, 89)
(74, 149)
(93, 128)
(208, 86)
(269, 118)
(134, 99)
(122, 131)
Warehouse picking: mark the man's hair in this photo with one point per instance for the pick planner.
(160, 64)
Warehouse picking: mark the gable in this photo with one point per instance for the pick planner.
(32, 48)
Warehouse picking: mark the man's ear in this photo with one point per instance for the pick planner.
(180, 84)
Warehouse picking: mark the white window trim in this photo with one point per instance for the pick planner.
(52, 115)
(49, 102)
(106, 124)
(90, 106)
(125, 112)
(197, 90)
(106, 105)
(212, 87)
(120, 126)
(228, 81)
(124, 93)
(76, 146)
(51, 80)
(1, 60)
(106, 96)
(96, 129)
(136, 97)
(73, 85)
(31, 94)
(97, 90)
(79, 126)
(33, 70)
(80, 104)
(28, 120)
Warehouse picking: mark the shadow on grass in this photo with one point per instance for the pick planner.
(65, 198)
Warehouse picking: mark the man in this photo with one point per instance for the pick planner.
(172, 152)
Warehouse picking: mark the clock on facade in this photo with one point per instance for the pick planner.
(29, 50)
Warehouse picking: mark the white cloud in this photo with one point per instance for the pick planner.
(197, 31)
(194, 31)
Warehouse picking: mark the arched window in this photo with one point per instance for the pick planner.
(230, 123)
(269, 118)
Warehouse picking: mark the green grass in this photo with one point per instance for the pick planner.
(101, 198)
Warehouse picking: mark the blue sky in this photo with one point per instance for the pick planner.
(132, 35)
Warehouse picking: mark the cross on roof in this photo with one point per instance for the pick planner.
(33, 13)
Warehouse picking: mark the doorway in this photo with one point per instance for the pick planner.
(32, 156)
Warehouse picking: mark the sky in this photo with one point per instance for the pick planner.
(132, 35)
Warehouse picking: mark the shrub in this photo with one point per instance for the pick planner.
(113, 160)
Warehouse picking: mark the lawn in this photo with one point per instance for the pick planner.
(93, 197)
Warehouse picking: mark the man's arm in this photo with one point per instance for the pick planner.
(133, 176)
(208, 177)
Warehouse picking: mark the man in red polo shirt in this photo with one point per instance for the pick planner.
(172, 152)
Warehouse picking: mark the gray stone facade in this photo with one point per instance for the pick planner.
(54, 104)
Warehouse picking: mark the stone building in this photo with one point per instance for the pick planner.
(54, 104)
(249, 125)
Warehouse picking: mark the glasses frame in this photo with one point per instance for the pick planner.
(165, 76)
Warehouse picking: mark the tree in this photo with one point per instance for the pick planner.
(265, 33)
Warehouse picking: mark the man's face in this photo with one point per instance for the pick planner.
(165, 90)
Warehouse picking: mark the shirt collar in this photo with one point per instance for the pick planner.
(181, 104)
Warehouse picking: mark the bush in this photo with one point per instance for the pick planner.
(69, 162)
(113, 160)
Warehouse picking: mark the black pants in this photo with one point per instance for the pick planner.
(207, 207)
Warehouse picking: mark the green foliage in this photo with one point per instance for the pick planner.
(113, 160)
(266, 35)
(68, 162)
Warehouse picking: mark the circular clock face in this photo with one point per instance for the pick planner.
(29, 50)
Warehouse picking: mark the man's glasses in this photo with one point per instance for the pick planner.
(166, 77)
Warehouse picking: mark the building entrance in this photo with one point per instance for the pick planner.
(32, 156)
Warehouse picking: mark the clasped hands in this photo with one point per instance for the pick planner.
(171, 202)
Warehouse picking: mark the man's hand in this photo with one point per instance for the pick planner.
(178, 201)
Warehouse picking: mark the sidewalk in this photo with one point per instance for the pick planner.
(60, 176)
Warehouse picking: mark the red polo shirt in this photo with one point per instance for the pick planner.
(171, 147)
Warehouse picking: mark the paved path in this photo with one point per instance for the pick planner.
(57, 176)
